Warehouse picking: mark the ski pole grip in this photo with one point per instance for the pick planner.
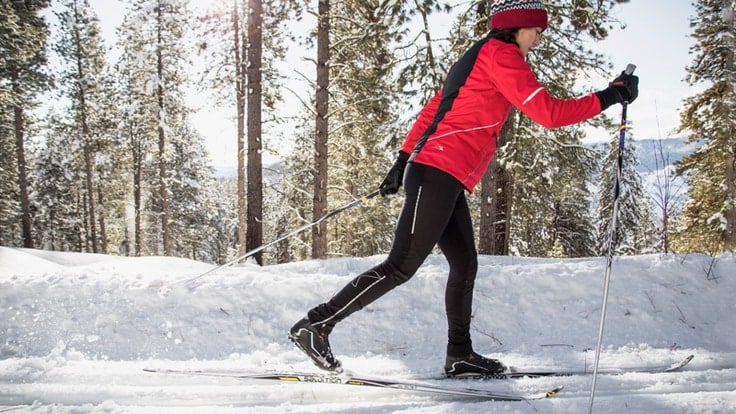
(630, 68)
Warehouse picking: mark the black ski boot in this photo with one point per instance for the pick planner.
(315, 344)
(473, 365)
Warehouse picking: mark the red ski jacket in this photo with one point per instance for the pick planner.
(457, 130)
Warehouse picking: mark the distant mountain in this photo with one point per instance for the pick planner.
(271, 171)
(653, 161)
(674, 149)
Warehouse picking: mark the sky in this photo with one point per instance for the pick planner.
(655, 38)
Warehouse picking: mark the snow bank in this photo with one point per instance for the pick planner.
(77, 329)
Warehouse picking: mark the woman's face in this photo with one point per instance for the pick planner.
(528, 38)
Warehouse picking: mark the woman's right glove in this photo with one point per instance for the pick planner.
(395, 176)
(625, 88)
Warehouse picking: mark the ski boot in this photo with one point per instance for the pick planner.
(473, 365)
(315, 345)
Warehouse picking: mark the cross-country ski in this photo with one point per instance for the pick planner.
(356, 380)
(521, 373)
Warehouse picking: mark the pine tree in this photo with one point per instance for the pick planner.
(137, 138)
(572, 226)
(10, 231)
(254, 65)
(220, 238)
(297, 199)
(225, 46)
(362, 121)
(61, 219)
(708, 221)
(422, 69)
(551, 200)
(362, 131)
(81, 48)
(633, 225)
(321, 128)
(192, 201)
(22, 79)
(112, 167)
(137, 108)
(152, 65)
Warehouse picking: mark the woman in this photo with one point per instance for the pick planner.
(447, 152)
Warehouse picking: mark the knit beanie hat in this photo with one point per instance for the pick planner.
(516, 14)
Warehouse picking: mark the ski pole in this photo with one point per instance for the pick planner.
(612, 232)
(352, 204)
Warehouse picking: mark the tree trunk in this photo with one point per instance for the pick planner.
(88, 147)
(137, 202)
(319, 208)
(496, 194)
(730, 179)
(729, 233)
(254, 213)
(103, 229)
(501, 207)
(485, 235)
(162, 135)
(240, 84)
(89, 187)
(25, 203)
(81, 206)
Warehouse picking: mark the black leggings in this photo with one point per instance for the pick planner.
(435, 212)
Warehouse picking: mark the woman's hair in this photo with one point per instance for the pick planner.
(505, 35)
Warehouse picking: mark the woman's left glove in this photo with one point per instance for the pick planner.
(625, 88)
(395, 176)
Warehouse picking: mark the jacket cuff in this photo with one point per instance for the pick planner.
(403, 157)
(608, 97)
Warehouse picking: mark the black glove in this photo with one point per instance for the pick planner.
(625, 88)
(395, 176)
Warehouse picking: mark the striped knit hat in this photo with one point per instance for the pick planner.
(516, 14)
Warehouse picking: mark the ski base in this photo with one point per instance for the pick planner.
(343, 379)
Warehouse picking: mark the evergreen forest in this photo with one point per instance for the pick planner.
(101, 154)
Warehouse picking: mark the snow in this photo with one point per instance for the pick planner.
(77, 330)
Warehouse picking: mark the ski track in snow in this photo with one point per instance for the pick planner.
(77, 330)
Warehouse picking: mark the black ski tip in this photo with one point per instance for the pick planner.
(680, 364)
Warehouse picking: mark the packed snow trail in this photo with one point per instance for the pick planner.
(78, 329)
